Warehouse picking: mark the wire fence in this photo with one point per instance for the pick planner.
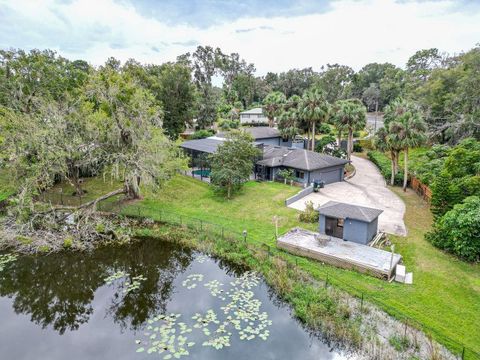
(271, 252)
(291, 261)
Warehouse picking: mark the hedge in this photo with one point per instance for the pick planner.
(385, 166)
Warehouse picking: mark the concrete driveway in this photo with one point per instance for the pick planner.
(366, 188)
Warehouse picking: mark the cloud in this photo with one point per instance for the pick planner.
(204, 14)
(186, 43)
(273, 38)
(263, 27)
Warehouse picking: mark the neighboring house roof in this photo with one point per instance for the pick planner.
(207, 145)
(258, 132)
(349, 211)
(257, 111)
(274, 156)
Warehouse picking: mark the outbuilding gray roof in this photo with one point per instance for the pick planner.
(274, 156)
(257, 111)
(258, 132)
(348, 211)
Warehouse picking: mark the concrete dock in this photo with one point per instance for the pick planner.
(340, 253)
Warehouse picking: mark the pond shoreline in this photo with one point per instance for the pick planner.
(342, 319)
(360, 328)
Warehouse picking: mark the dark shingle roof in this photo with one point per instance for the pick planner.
(344, 211)
(258, 132)
(204, 145)
(274, 156)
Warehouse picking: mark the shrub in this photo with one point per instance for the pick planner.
(44, 248)
(428, 165)
(24, 239)
(325, 129)
(399, 343)
(366, 144)
(100, 228)
(328, 145)
(357, 147)
(202, 134)
(255, 124)
(226, 124)
(286, 174)
(385, 166)
(458, 231)
(324, 141)
(68, 242)
(310, 215)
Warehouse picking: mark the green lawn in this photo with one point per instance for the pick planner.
(445, 296)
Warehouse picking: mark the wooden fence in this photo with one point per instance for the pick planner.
(420, 188)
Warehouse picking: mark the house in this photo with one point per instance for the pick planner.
(306, 165)
(253, 116)
(270, 136)
(354, 223)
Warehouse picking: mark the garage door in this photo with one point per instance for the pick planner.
(331, 176)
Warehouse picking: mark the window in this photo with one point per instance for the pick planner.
(246, 116)
(340, 222)
(299, 174)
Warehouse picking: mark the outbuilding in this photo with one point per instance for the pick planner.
(348, 222)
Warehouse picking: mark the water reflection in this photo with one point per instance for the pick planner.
(62, 307)
(58, 290)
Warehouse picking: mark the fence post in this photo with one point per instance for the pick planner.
(326, 281)
(361, 304)
(223, 237)
(463, 353)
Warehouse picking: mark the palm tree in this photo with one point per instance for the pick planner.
(383, 141)
(314, 109)
(408, 130)
(350, 115)
(289, 118)
(272, 105)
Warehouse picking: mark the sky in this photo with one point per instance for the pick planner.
(275, 35)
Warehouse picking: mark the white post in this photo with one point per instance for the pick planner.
(391, 259)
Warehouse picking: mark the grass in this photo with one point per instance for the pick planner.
(445, 296)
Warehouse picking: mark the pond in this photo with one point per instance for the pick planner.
(147, 300)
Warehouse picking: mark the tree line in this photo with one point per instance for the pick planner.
(63, 119)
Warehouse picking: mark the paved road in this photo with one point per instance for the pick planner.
(366, 188)
(372, 122)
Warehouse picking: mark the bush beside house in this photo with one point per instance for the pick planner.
(384, 164)
(458, 231)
